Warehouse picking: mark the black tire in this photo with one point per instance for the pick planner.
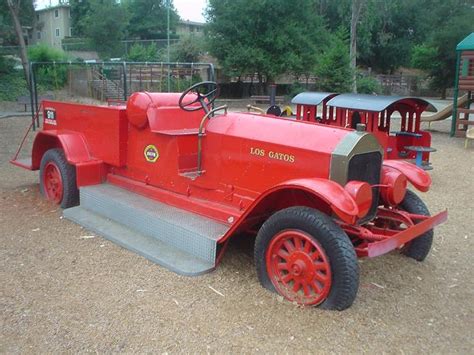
(420, 247)
(70, 196)
(333, 240)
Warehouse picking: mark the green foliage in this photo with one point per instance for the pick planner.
(12, 85)
(368, 85)
(79, 11)
(148, 18)
(104, 23)
(26, 16)
(295, 89)
(45, 53)
(424, 57)
(179, 84)
(386, 31)
(49, 76)
(188, 49)
(141, 53)
(333, 68)
(265, 37)
(7, 64)
(437, 55)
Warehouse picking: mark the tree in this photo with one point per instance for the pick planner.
(437, 55)
(356, 9)
(268, 37)
(148, 18)
(104, 23)
(16, 11)
(79, 10)
(386, 30)
(26, 17)
(333, 69)
(188, 49)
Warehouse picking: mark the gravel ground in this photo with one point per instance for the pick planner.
(62, 291)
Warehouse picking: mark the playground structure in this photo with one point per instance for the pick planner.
(464, 81)
(375, 113)
(173, 179)
(445, 113)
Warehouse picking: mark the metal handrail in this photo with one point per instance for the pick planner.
(96, 75)
(200, 134)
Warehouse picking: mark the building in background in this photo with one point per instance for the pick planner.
(52, 25)
(190, 28)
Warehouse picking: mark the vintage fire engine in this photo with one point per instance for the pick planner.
(173, 179)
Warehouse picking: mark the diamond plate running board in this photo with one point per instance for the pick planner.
(179, 240)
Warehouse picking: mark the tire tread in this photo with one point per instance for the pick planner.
(343, 260)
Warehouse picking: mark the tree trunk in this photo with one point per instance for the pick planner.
(356, 8)
(21, 41)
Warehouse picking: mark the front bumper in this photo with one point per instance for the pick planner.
(374, 240)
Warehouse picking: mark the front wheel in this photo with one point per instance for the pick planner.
(307, 258)
(58, 179)
(420, 247)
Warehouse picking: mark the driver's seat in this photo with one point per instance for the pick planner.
(161, 112)
(174, 121)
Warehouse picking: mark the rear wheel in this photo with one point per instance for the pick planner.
(420, 247)
(307, 258)
(58, 179)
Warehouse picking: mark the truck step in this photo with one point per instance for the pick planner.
(23, 163)
(179, 240)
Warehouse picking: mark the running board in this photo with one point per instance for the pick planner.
(181, 241)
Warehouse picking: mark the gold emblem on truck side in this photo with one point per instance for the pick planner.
(272, 155)
(151, 153)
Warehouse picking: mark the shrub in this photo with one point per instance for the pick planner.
(141, 53)
(12, 85)
(7, 64)
(368, 85)
(51, 75)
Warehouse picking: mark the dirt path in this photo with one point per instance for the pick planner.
(63, 291)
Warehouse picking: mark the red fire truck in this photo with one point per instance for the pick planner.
(173, 179)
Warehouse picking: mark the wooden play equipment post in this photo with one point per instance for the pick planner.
(464, 81)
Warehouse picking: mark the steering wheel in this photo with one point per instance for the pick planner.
(206, 93)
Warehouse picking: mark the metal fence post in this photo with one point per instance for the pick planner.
(125, 95)
(31, 96)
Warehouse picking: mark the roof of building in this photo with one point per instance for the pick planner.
(49, 8)
(193, 23)
(375, 103)
(467, 43)
(311, 98)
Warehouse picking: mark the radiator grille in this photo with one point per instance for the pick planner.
(367, 167)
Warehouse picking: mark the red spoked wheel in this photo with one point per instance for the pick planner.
(303, 255)
(58, 179)
(53, 183)
(298, 268)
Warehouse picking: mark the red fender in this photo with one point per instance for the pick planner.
(89, 171)
(328, 192)
(419, 178)
(73, 144)
(341, 203)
